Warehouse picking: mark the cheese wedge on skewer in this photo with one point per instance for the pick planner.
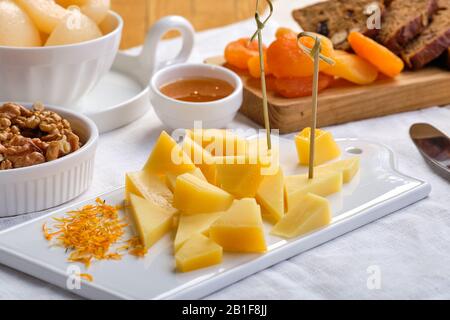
(326, 148)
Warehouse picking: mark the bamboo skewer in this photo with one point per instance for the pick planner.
(315, 92)
(315, 54)
(260, 26)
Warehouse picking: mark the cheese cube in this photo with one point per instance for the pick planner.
(240, 228)
(323, 184)
(201, 158)
(189, 225)
(193, 195)
(218, 142)
(348, 167)
(167, 156)
(198, 252)
(239, 175)
(308, 214)
(151, 221)
(271, 196)
(171, 178)
(326, 148)
(150, 187)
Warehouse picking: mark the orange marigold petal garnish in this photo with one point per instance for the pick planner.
(135, 247)
(88, 233)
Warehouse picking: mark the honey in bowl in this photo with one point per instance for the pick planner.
(197, 89)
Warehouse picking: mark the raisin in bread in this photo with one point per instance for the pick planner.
(336, 18)
(404, 20)
(432, 42)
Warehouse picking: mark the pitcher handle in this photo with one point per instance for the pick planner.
(147, 57)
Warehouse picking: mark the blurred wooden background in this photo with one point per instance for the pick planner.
(139, 15)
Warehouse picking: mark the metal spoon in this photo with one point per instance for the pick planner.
(434, 146)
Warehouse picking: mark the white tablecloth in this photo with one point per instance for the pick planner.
(410, 249)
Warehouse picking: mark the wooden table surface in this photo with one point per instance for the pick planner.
(139, 15)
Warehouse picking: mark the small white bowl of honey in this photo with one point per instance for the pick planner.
(186, 93)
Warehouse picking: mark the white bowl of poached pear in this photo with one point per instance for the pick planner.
(55, 52)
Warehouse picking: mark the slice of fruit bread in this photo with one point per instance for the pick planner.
(336, 18)
(432, 42)
(404, 20)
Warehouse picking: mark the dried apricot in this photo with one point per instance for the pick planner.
(254, 67)
(286, 60)
(237, 53)
(381, 57)
(285, 33)
(300, 86)
(352, 68)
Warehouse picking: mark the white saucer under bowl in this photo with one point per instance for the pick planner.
(117, 100)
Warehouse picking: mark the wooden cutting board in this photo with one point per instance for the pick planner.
(345, 102)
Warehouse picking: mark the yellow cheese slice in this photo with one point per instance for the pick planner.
(201, 158)
(219, 142)
(196, 253)
(271, 197)
(193, 195)
(167, 156)
(239, 175)
(151, 221)
(150, 187)
(189, 225)
(171, 178)
(308, 214)
(240, 228)
(323, 184)
(348, 167)
(326, 148)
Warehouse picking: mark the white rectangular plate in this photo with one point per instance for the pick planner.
(377, 190)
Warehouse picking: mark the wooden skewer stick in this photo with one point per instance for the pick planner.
(315, 54)
(315, 92)
(260, 25)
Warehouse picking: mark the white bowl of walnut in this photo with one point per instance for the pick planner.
(46, 157)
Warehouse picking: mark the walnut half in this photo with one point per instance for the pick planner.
(30, 137)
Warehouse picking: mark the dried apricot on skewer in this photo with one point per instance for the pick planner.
(237, 53)
(352, 68)
(381, 57)
(285, 33)
(286, 60)
(300, 86)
